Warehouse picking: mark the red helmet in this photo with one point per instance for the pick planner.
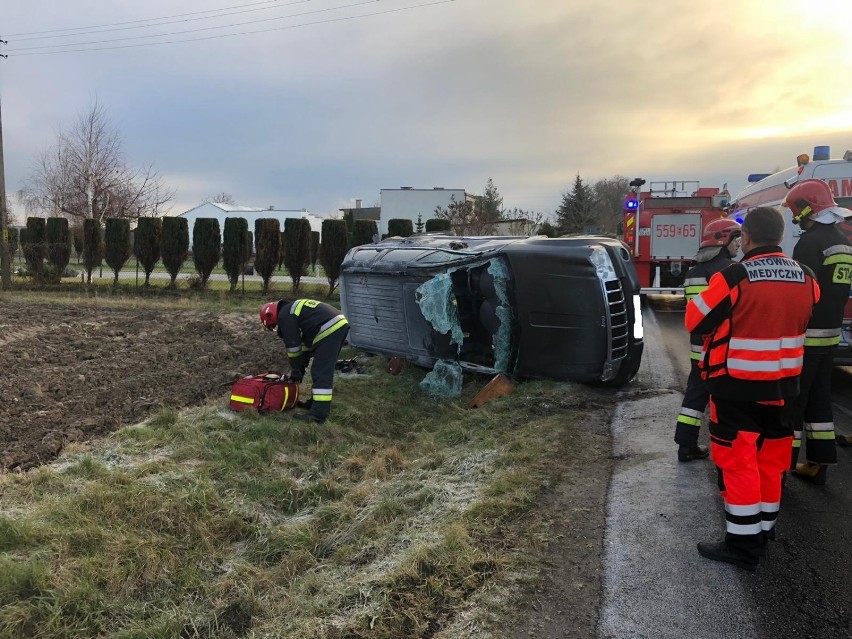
(269, 315)
(809, 198)
(720, 232)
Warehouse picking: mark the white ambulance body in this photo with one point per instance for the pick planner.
(771, 191)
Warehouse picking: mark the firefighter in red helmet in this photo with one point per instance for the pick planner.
(720, 242)
(754, 314)
(310, 330)
(827, 252)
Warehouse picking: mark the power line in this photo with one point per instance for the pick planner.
(116, 24)
(163, 22)
(11, 53)
(172, 33)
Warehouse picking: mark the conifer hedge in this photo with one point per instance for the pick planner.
(206, 247)
(267, 246)
(334, 246)
(14, 237)
(58, 241)
(297, 250)
(438, 225)
(363, 232)
(146, 244)
(235, 249)
(116, 245)
(93, 248)
(398, 227)
(34, 246)
(175, 245)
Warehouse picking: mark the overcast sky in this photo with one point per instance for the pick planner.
(319, 102)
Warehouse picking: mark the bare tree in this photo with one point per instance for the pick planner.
(221, 198)
(609, 195)
(84, 175)
(523, 222)
(464, 217)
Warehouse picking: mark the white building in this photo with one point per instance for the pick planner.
(222, 211)
(408, 203)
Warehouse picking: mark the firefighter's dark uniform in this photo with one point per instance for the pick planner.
(827, 252)
(696, 396)
(312, 329)
(755, 314)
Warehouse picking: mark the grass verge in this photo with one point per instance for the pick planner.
(384, 522)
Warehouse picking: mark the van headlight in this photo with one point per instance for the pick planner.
(603, 265)
(638, 329)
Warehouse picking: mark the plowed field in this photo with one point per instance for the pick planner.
(68, 373)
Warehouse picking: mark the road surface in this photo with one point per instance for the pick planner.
(656, 585)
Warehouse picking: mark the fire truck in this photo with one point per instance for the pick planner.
(771, 189)
(662, 228)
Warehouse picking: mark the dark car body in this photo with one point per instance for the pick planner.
(532, 307)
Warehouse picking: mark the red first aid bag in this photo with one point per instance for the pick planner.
(266, 392)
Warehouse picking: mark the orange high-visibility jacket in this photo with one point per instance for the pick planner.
(754, 316)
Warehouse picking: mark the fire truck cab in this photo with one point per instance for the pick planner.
(771, 189)
(662, 228)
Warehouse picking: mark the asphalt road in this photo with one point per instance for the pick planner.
(655, 583)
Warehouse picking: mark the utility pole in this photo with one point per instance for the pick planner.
(5, 262)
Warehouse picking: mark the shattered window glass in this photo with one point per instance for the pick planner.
(445, 380)
(437, 302)
(503, 337)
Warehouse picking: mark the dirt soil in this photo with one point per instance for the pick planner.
(74, 372)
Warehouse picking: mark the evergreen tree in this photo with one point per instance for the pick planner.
(175, 246)
(234, 258)
(116, 245)
(576, 212)
(206, 247)
(438, 225)
(418, 227)
(58, 245)
(490, 204)
(547, 229)
(267, 233)
(146, 244)
(33, 245)
(363, 232)
(297, 231)
(334, 247)
(93, 247)
(399, 227)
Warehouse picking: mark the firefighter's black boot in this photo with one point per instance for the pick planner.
(688, 453)
(844, 440)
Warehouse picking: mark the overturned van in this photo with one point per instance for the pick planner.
(561, 308)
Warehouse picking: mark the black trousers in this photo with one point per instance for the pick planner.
(692, 408)
(814, 417)
(325, 356)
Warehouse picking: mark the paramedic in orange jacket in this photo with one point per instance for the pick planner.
(754, 316)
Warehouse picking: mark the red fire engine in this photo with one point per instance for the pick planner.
(662, 227)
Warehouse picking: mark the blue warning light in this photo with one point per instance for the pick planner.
(631, 203)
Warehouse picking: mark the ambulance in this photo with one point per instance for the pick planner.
(771, 189)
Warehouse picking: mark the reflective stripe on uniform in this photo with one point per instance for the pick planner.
(329, 327)
(321, 394)
(690, 417)
(786, 364)
(819, 430)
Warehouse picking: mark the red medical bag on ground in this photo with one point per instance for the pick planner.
(265, 393)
